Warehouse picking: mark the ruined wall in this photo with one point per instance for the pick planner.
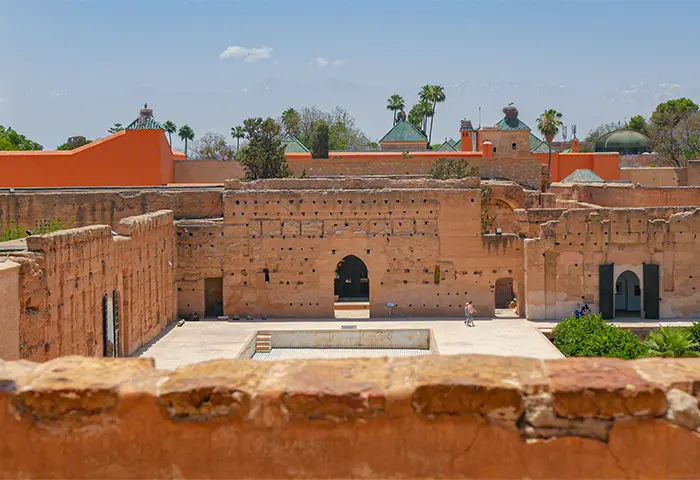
(404, 230)
(207, 171)
(656, 176)
(422, 417)
(562, 264)
(65, 275)
(612, 195)
(9, 310)
(78, 208)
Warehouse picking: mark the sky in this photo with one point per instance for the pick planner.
(75, 67)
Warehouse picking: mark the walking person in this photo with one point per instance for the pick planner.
(469, 312)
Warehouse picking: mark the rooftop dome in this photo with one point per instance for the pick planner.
(624, 141)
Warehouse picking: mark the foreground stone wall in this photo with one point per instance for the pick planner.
(64, 277)
(423, 417)
(79, 208)
(562, 264)
(298, 230)
(9, 310)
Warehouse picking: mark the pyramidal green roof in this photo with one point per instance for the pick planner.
(293, 145)
(404, 132)
(145, 121)
(582, 175)
(537, 145)
(515, 124)
(447, 146)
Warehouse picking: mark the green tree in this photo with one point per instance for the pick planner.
(319, 148)
(450, 168)
(419, 114)
(395, 104)
(238, 132)
(117, 127)
(291, 120)
(11, 140)
(637, 123)
(344, 135)
(671, 342)
(211, 146)
(548, 124)
(673, 111)
(599, 131)
(74, 142)
(593, 336)
(433, 94)
(186, 134)
(170, 128)
(263, 157)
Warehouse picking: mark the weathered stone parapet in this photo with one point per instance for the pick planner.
(350, 183)
(434, 416)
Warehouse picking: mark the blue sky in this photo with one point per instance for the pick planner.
(76, 67)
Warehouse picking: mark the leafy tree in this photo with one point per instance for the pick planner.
(211, 146)
(11, 140)
(593, 336)
(263, 157)
(396, 104)
(186, 134)
(671, 342)
(117, 127)
(170, 128)
(676, 143)
(673, 111)
(432, 94)
(694, 331)
(291, 120)
(548, 124)
(447, 168)
(319, 148)
(343, 133)
(601, 130)
(419, 114)
(238, 132)
(74, 142)
(637, 123)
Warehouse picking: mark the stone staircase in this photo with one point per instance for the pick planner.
(263, 342)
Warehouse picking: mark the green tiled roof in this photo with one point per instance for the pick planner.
(446, 147)
(582, 175)
(293, 145)
(453, 142)
(538, 145)
(515, 124)
(404, 132)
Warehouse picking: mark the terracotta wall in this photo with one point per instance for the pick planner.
(422, 417)
(299, 230)
(605, 165)
(106, 207)
(9, 310)
(693, 174)
(612, 195)
(503, 143)
(65, 275)
(656, 176)
(127, 158)
(207, 171)
(562, 263)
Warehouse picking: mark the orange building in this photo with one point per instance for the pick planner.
(137, 156)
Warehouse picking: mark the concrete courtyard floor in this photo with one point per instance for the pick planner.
(211, 339)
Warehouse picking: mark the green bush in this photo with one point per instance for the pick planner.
(446, 168)
(694, 330)
(593, 336)
(671, 342)
(13, 231)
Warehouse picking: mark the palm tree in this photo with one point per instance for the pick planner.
(171, 128)
(238, 132)
(396, 104)
(671, 342)
(436, 94)
(548, 124)
(186, 134)
(291, 119)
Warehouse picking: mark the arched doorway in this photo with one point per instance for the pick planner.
(505, 297)
(628, 295)
(351, 280)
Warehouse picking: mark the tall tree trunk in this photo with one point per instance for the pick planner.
(432, 118)
(170, 139)
(549, 166)
(238, 144)
(185, 146)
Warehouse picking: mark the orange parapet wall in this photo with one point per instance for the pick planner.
(605, 165)
(127, 158)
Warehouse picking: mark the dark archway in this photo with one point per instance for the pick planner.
(628, 295)
(351, 280)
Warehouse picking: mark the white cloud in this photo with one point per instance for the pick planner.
(248, 55)
(321, 62)
(669, 86)
(339, 63)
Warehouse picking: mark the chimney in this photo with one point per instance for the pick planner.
(466, 129)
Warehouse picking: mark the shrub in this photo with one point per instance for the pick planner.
(671, 342)
(694, 330)
(446, 168)
(593, 336)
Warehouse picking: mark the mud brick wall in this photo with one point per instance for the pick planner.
(65, 275)
(562, 263)
(422, 417)
(9, 310)
(656, 176)
(105, 207)
(404, 231)
(612, 195)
